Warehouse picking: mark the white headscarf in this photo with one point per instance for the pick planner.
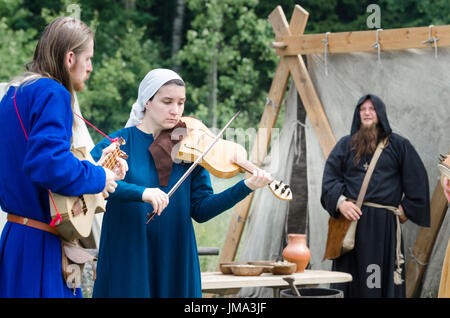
(151, 83)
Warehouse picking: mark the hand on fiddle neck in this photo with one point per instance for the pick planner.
(259, 179)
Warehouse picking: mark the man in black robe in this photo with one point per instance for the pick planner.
(399, 181)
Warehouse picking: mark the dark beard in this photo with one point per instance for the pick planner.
(364, 141)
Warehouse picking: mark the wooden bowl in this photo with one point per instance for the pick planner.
(225, 267)
(284, 268)
(247, 270)
(268, 265)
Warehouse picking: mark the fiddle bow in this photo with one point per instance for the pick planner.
(192, 167)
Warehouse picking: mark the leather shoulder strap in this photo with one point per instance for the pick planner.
(362, 193)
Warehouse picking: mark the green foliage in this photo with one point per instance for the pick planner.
(113, 86)
(133, 37)
(229, 32)
(16, 46)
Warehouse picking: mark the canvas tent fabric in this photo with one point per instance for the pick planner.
(415, 86)
(265, 235)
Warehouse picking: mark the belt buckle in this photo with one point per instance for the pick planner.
(25, 221)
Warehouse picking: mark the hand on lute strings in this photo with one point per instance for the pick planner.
(118, 172)
(110, 183)
(121, 167)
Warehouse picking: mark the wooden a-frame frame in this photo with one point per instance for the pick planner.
(290, 43)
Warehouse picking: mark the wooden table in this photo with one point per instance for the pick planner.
(218, 283)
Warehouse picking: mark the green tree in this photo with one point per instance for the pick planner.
(227, 59)
(225, 56)
(113, 86)
(16, 45)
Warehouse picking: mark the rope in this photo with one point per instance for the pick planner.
(104, 135)
(325, 53)
(298, 140)
(399, 258)
(272, 103)
(377, 45)
(415, 259)
(431, 40)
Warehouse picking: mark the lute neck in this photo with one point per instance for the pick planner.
(111, 159)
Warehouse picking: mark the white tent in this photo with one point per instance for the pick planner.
(415, 87)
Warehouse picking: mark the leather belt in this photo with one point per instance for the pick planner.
(32, 223)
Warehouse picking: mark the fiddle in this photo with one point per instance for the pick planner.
(222, 158)
(225, 159)
(195, 163)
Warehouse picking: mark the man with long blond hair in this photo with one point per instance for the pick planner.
(397, 191)
(36, 121)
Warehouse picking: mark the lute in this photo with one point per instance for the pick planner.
(77, 213)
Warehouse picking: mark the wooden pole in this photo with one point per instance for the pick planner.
(268, 120)
(363, 41)
(295, 66)
(425, 242)
(305, 86)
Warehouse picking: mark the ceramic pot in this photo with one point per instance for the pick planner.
(297, 252)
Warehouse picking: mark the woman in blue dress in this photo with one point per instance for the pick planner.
(158, 259)
(36, 127)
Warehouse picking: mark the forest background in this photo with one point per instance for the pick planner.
(221, 48)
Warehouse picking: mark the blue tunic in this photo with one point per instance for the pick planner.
(159, 259)
(30, 259)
